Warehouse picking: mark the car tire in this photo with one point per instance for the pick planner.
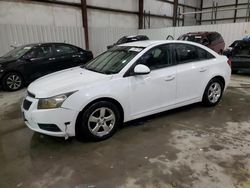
(98, 122)
(213, 92)
(12, 81)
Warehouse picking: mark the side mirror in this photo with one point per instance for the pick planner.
(28, 56)
(141, 69)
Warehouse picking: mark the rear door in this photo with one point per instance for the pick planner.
(193, 65)
(65, 56)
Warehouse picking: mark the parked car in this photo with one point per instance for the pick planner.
(239, 54)
(29, 62)
(212, 40)
(127, 82)
(127, 39)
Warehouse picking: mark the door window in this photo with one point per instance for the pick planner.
(186, 53)
(41, 51)
(203, 54)
(65, 49)
(157, 57)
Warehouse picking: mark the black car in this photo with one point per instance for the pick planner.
(239, 54)
(26, 63)
(127, 39)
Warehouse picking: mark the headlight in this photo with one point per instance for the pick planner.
(53, 102)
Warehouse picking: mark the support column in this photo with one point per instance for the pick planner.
(85, 22)
(175, 12)
(201, 7)
(235, 11)
(141, 7)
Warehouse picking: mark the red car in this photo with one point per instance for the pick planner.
(212, 40)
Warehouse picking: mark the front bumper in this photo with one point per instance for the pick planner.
(64, 119)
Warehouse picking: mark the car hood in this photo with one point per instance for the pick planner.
(65, 81)
(5, 60)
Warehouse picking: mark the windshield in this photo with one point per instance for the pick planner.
(112, 61)
(192, 38)
(18, 52)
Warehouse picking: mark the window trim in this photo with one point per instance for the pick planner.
(130, 71)
(196, 49)
(68, 45)
(40, 46)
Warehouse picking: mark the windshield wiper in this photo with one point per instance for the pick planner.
(93, 70)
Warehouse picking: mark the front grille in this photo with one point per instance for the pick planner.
(26, 104)
(31, 94)
(49, 127)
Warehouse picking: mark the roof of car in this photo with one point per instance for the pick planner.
(147, 43)
(37, 44)
(144, 43)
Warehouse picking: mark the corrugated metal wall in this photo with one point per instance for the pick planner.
(100, 38)
(230, 32)
(24, 34)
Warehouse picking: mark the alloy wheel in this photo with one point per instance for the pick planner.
(14, 82)
(214, 92)
(101, 121)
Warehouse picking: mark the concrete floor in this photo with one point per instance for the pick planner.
(191, 147)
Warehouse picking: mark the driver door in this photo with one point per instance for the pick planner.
(153, 92)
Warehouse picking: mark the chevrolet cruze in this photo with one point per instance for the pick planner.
(127, 82)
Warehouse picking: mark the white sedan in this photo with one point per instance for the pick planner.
(124, 83)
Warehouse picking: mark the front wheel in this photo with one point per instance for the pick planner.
(12, 81)
(213, 93)
(99, 121)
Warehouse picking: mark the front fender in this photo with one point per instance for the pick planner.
(113, 89)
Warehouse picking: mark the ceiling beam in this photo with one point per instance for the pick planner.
(180, 4)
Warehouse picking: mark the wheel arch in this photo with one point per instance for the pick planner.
(13, 71)
(221, 78)
(108, 99)
(9, 72)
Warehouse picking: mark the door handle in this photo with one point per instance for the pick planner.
(50, 59)
(169, 78)
(203, 69)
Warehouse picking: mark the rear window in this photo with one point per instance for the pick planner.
(192, 38)
(203, 54)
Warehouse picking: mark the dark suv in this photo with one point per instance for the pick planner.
(127, 39)
(29, 62)
(212, 40)
(239, 54)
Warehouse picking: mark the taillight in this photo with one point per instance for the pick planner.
(229, 62)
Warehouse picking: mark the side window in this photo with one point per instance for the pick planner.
(42, 51)
(157, 57)
(203, 54)
(64, 49)
(243, 50)
(186, 53)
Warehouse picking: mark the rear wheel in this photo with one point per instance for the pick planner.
(213, 92)
(12, 81)
(99, 121)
